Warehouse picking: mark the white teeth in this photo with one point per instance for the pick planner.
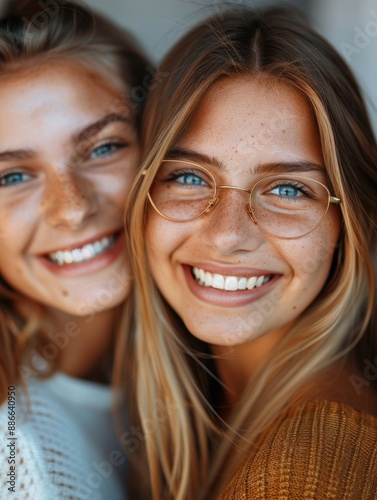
(229, 283)
(259, 281)
(251, 283)
(242, 284)
(218, 281)
(77, 255)
(87, 252)
(68, 257)
(208, 279)
(201, 275)
(97, 247)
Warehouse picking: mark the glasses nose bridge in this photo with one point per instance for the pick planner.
(237, 188)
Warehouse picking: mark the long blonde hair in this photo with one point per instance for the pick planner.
(30, 32)
(164, 361)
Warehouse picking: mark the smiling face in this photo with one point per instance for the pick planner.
(229, 280)
(68, 154)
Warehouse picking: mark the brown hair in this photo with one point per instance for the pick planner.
(277, 43)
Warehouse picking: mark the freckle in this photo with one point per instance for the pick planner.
(65, 293)
(294, 307)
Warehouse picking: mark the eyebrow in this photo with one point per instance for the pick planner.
(85, 134)
(195, 156)
(99, 125)
(17, 154)
(262, 168)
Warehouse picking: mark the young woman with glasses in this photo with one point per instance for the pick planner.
(252, 236)
(69, 149)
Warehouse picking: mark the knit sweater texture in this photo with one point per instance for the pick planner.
(65, 446)
(319, 450)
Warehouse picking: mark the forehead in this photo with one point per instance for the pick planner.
(253, 119)
(71, 87)
(58, 75)
(255, 97)
(52, 101)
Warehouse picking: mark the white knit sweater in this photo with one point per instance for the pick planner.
(66, 447)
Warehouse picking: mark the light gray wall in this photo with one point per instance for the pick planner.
(351, 26)
(159, 23)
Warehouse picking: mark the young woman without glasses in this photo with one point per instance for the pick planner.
(253, 230)
(70, 87)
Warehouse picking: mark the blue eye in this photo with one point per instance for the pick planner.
(289, 190)
(106, 149)
(186, 178)
(192, 179)
(12, 178)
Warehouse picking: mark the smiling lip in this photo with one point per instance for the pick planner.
(260, 282)
(94, 264)
(82, 243)
(89, 251)
(230, 283)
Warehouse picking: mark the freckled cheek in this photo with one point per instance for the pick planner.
(115, 195)
(157, 240)
(163, 238)
(122, 184)
(14, 233)
(120, 198)
(310, 257)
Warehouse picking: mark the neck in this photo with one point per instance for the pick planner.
(83, 344)
(237, 365)
(343, 381)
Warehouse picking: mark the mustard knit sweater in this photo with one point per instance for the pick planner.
(319, 450)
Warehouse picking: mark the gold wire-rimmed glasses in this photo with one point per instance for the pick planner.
(285, 205)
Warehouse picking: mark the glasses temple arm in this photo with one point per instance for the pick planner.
(333, 199)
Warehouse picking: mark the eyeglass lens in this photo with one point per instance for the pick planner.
(287, 205)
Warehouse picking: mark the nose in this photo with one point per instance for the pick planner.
(228, 228)
(68, 200)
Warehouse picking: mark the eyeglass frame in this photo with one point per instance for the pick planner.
(250, 210)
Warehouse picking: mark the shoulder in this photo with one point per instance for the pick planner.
(49, 452)
(315, 450)
(22, 469)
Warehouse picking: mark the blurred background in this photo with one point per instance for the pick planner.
(350, 25)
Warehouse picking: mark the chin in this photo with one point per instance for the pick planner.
(89, 304)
